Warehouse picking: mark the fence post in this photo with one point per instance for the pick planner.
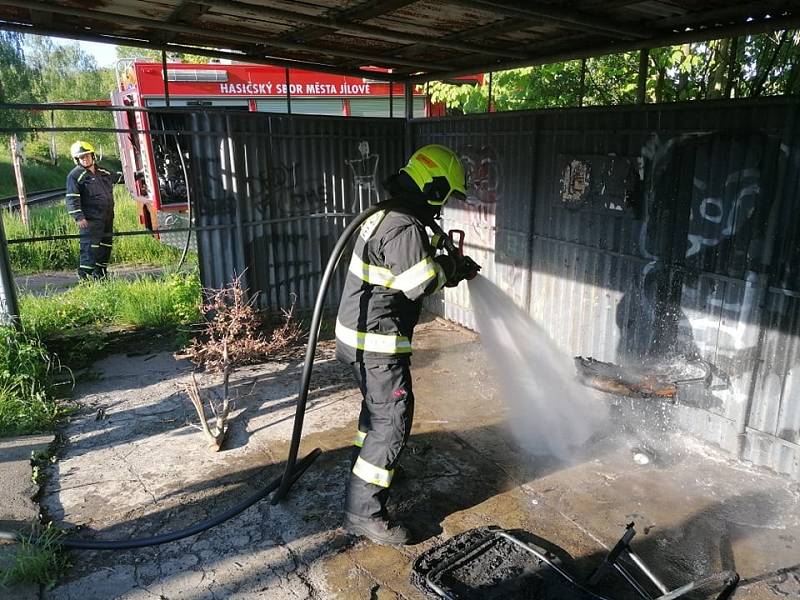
(16, 159)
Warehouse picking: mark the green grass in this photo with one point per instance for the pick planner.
(146, 302)
(58, 255)
(27, 367)
(26, 391)
(39, 559)
(39, 176)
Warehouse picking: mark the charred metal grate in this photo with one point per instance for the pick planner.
(492, 564)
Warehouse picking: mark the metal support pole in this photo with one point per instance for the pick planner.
(391, 99)
(409, 97)
(53, 149)
(166, 77)
(489, 101)
(9, 307)
(288, 92)
(582, 88)
(641, 92)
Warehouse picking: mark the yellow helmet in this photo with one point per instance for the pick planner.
(81, 148)
(438, 173)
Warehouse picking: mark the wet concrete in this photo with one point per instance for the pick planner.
(133, 467)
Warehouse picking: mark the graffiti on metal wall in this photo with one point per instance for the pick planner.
(483, 169)
(698, 216)
(484, 190)
(294, 192)
(484, 175)
(721, 206)
(365, 178)
(299, 192)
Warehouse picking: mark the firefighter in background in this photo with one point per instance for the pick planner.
(393, 266)
(90, 201)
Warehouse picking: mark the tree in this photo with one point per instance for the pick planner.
(65, 73)
(16, 82)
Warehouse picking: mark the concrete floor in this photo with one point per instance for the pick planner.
(132, 467)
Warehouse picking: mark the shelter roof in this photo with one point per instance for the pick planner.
(414, 40)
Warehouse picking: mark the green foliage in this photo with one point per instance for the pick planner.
(155, 55)
(185, 292)
(145, 302)
(16, 83)
(39, 462)
(38, 150)
(26, 392)
(52, 255)
(465, 98)
(39, 559)
(751, 66)
(65, 73)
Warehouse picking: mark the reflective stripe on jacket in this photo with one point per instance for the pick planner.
(391, 269)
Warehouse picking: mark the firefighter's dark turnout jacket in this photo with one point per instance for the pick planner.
(90, 196)
(390, 271)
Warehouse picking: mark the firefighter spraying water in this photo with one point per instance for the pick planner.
(393, 266)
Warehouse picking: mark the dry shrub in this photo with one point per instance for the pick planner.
(233, 324)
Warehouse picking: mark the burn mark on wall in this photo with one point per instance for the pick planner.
(602, 182)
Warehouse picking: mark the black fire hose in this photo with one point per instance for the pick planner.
(197, 527)
(313, 335)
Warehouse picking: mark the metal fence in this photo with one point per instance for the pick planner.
(650, 236)
(272, 194)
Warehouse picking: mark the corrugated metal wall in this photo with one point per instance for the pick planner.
(264, 188)
(656, 236)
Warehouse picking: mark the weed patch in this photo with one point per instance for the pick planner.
(27, 404)
(39, 462)
(233, 334)
(40, 559)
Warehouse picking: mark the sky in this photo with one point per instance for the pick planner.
(104, 54)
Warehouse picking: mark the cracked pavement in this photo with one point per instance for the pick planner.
(132, 466)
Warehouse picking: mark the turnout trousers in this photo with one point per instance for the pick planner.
(95, 248)
(384, 425)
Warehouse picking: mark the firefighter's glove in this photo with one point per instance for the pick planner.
(448, 265)
(456, 269)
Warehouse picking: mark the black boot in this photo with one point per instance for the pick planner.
(376, 529)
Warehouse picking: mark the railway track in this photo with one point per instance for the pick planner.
(43, 197)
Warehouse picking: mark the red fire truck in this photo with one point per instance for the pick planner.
(152, 163)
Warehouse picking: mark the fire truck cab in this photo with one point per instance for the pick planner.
(155, 165)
